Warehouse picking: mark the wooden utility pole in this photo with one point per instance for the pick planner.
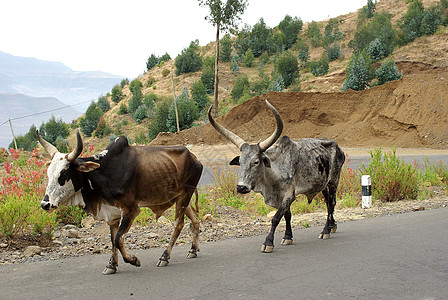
(13, 136)
(175, 103)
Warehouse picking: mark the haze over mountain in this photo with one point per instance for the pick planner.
(30, 86)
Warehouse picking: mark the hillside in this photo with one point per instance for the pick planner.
(423, 63)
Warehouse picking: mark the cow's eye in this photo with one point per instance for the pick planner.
(63, 177)
(256, 162)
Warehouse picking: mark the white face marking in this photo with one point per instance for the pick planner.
(101, 154)
(56, 193)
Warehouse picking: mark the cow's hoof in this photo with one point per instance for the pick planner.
(136, 262)
(267, 249)
(334, 229)
(192, 255)
(109, 271)
(162, 263)
(324, 236)
(286, 242)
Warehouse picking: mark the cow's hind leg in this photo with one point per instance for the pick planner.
(193, 215)
(287, 239)
(181, 206)
(330, 199)
(111, 268)
(129, 214)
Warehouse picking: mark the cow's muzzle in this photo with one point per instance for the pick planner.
(242, 189)
(45, 204)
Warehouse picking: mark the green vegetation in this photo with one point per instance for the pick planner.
(189, 60)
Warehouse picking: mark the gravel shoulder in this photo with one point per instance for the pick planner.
(226, 223)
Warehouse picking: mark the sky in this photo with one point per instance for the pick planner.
(117, 37)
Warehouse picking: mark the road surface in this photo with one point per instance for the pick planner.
(402, 256)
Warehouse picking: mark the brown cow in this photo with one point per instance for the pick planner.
(114, 184)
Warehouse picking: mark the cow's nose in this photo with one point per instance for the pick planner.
(242, 189)
(45, 204)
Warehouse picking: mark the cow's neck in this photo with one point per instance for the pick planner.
(268, 186)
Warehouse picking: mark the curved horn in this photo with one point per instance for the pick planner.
(236, 140)
(77, 151)
(47, 146)
(278, 130)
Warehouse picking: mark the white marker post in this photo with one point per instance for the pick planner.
(366, 191)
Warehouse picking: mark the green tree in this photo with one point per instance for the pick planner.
(141, 113)
(290, 27)
(187, 111)
(332, 32)
(89, 123)
(135, 101)
(258, 37)
(320, 67)
(152, 61)
(159, 123)
(226, 48)
(224, 16)
(288, 67)
(199, 95)
(240, 87)
(276, 42)
(314, 34)
(189, 60)
(26, 142)
(359, 73)
(235, 63)
(411, 23)
(208, 79)
(248, 59)
(103, 103)
(333, 51)
(431, 19)
(388, 71)
(117, 93)
(303, 50)
(53, 129)
(124, 82)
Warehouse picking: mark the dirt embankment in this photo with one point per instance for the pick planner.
(409, 113)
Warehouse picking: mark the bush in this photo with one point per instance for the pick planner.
(411, 23)
(199, 95)
(152, 61)
(141, 139)
(123, 109)
(189, 60)
(135, 101)
(135, 85)
(333, 51)
(376, 50)
(165, 72)
(303, 51)
(25, 142)
(359, 72)
(235, 63)
(117, 93)
(124, 82)
(62, 145)
(89, 123)
(431, 19)
(226, 48)
(243, 41)
(392, 179)
(102, 129)
(103, 103)
(187, 112)
(248, 58)
(208, 80)
(141, 113)
(314, 34)
(290, 27)
(160, 119)
(260, 85)
(277, 84)
(388, 71)
(240, 87)
(276, 42)
(53, 129)
(332, 32)
(288, 67)
(320, 67)
(70, 215)
(258, 38)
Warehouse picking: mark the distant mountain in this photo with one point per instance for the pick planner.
(38, 78)
(25, 111)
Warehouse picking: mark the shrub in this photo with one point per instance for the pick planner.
(290, 27)
(62, 145)
(141, 139)
(187, 112)
(411, 23)
(199, 95)
(141, 113)
(376, 50)
(117, 93)
(258, 38)
(392, 179)
(135, 85)
(90, 121)
(124, 82)
(135, 101)
(276, 42)
(103, 103)
(260, 85)
(431, 19)
(208, 80)
(235, 66)
(151, 80)
(152, 61)
(359, 72)
(333, 51)
(320, 67)
(248, 58)
(240, 87)
(159, 123)
(288, 67)
(388, 71)
(102, 129)
(53, 129)
(264, 59)
(70, 215)
(243, 41)
(314, 34)
(165, 72)
(25, 142)
(226, 48)
(277, 84)
(303, 51)
(189, 60)
(123, 109)
(332, 32)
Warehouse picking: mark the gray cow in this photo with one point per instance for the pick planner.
(285, 170)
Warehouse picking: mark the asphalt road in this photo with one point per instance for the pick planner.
(401, 256)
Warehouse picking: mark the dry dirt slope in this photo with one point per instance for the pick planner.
(409, 113)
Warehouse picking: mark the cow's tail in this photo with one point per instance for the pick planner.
(197, 201)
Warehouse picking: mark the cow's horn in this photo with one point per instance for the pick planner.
(236, 140)
(77, 151)
(278, 130)
(47, 146)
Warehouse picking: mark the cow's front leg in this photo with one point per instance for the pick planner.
(111, 268)
(129, 214)
(268, 245)
(287, 239)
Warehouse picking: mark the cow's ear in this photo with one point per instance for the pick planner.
(47, 164)
(88, 166)
(235, 161)
(266, 162)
